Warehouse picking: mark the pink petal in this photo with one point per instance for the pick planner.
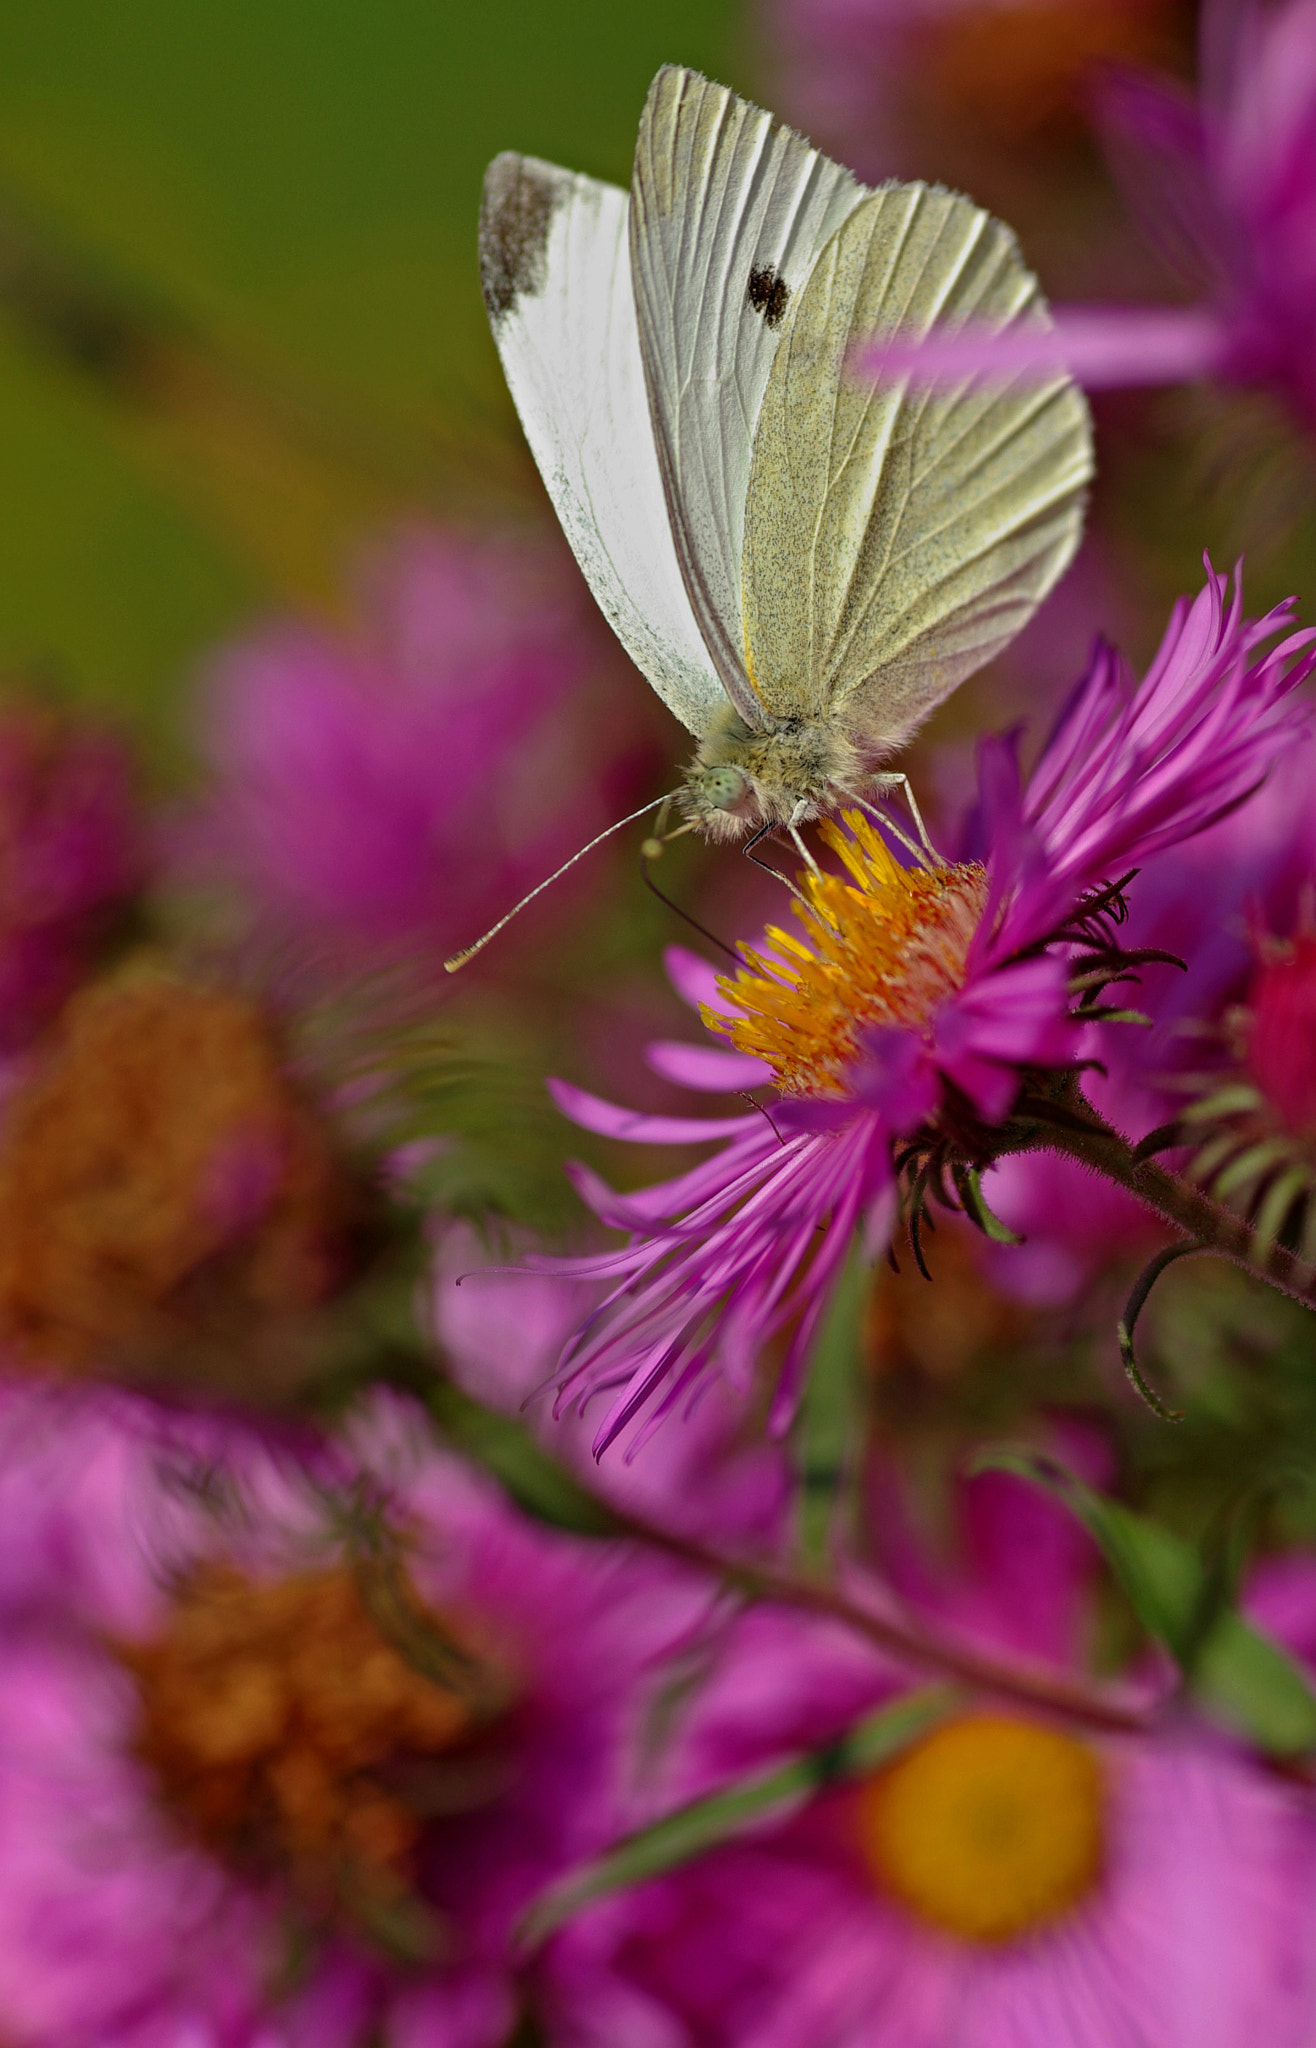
(1099, 347)
(612, 1121)
(694, 980)
(703, 1066)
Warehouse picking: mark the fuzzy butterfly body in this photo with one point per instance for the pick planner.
(802, 562)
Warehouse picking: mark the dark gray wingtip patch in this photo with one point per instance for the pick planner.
(515, 216)
(768, 294)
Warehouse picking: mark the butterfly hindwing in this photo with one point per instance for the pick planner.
(729, 209)
(897, 536)
(555, 265)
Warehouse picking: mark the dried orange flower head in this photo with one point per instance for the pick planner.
(159, 1175)
(280, 1723)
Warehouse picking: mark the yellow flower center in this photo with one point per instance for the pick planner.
(988, 1828)
(885, 947)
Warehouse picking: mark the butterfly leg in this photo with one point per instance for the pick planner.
(888, 825)
(926, 854)
(802, 849)
(902, 783)
(748, 850)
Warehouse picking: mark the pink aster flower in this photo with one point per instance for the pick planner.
(406, 783)
(1226, 184)
(916, 998)
(235, 1813)
(1246, 1108)
(70, 855)
(1206, 901)
(1004, 1880)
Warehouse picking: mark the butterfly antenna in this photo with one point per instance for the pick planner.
(649, 853)
(450, 966)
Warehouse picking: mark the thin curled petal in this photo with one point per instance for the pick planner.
(611, 1121)
(704, 1068)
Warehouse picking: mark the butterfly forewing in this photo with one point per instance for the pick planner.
(897, 537)
(729, 211)
(555, 264)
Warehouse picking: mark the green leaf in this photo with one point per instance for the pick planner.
(1237, 1097)
(1250, 1165)
(825, 1439)
(684, 1835)
(1254, 1686)
(1106, 1013)
(1280, 1196)
(1160, 1573)
(1237, 1674)
(968, 1182)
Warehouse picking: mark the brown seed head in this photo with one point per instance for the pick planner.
(159, 1175)
(271, 1716)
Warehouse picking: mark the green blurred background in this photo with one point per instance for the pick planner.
(240, 321)
(239, 309)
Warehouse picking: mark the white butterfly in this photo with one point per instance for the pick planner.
(801, 562)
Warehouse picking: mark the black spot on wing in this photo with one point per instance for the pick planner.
(768, 293)
(515, 217)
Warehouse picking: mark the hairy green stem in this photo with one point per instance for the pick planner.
(1066, 1122)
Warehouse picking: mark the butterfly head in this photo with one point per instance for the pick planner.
(789, 770)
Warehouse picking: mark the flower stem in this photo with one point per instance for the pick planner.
(902, 1638)
(1065, 1122)
(480, 1433)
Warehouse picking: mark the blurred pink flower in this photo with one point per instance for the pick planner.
(123, 1923)
(1007, 1880)
(843, 67)
(886, 84)
(1226, 185)
(408, 783)
(501, 1333)
(1281, 1033)
(917, 995)
(71, 852)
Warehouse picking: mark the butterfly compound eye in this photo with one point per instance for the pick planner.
(718, 788)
